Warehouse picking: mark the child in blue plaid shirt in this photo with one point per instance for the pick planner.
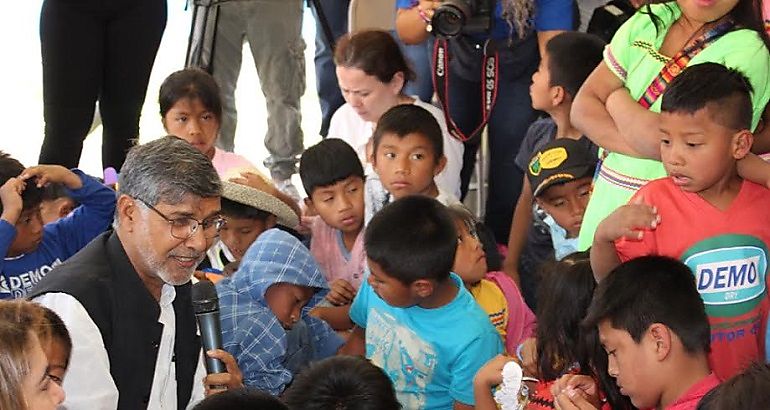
(264, 312)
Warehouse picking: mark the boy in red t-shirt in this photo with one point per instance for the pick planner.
(704, 213)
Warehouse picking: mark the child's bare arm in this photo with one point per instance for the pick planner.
(755, 169)
(356, 344)
(10, 197)
(52, 174)
(488, 376)
(522, 219)
(462, 406)
(628, 221)
(338, 317)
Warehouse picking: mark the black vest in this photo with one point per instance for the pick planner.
(103, 280)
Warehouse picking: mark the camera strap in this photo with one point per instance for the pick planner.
(490, 73)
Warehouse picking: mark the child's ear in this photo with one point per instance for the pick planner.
(422, 288)
(271, 221)
(64, 208)
(558, 95)
(440, 165)
(742, 142)
(662, 337)
(309, 205)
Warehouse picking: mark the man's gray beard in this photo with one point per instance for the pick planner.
(157, 267)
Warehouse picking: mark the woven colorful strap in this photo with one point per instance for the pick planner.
(675, 66)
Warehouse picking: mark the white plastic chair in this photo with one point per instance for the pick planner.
(372, 14)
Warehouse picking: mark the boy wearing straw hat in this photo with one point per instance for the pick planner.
(248, 212)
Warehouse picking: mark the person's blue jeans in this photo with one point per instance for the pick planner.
(420, 59)
(329, 95)
(510, 118)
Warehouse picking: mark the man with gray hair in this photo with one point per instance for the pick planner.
(126, 296)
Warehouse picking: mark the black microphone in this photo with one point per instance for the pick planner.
(206, 306)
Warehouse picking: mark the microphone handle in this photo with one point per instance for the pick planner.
(211, 338)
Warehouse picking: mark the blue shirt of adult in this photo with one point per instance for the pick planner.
(549, 15)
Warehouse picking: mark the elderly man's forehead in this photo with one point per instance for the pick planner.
(192, 205)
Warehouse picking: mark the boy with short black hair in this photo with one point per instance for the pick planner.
(333, 178)
(342, 383)
(407, 154)
(415, 318)
(561, 72)
(29, 249)
(654, 328)
(704, 213)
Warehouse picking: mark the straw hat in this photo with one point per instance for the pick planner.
(260, 200)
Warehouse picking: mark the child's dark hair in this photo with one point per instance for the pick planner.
(412, 238)
(10, 167)
(747, 390)
(328, 162)
(241, 399)
(564, 294)
(374, 52)
(54, 191)
(568, 68)
(649, 290)
(192, 84)
(238, 210)
(58, 331)
(482, 232)
(406, 119)
(342, 383)
(711, 84)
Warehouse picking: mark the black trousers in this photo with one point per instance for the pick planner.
(96, 50)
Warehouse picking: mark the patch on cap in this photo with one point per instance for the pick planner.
(548, 159)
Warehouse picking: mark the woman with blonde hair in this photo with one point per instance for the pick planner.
(25, 382)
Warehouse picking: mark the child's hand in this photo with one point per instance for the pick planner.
(255, 181)
(491, 374)
(219, 382)
(52, 173)
(341, 292)
(628, 221)
(10, 197)
(579, 383)
(573, 399)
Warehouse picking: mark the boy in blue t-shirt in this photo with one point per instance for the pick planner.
(31, 249)
(414, 317)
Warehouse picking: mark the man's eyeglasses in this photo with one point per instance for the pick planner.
(185, 227)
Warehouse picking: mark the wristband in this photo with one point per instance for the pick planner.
(519, 348)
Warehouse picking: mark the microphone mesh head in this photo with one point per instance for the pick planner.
(204, 297)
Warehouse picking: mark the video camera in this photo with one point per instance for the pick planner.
(454, 17)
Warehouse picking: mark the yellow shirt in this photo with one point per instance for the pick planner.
(490, 297)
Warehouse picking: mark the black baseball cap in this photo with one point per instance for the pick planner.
(560, 161)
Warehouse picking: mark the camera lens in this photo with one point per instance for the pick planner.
(450, 17)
